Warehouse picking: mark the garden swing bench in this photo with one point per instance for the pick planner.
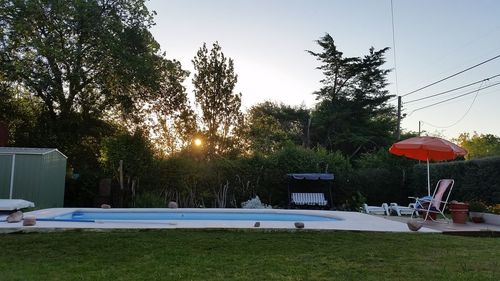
(312, 190)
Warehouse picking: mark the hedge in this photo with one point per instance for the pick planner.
(196, 182)
(377, 177)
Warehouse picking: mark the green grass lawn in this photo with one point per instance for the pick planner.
(246, 255)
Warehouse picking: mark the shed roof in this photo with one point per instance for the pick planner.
(311, 176)
(28, 150)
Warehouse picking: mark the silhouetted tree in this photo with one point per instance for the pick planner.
(214, 82)
(352, 114)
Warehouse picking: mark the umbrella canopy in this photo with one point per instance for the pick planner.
(427, 148)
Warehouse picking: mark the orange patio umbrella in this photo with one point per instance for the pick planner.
(427, 148)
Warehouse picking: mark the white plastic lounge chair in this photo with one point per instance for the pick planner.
(382, 210)
(14, 204)
(402, 210)
(309, 199)
(435, 203)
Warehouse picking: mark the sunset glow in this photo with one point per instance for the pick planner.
(197, 142)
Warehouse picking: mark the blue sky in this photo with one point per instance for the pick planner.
(267, 40)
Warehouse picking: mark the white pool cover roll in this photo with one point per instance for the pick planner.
(14, 204)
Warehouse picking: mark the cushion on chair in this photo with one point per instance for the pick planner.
(309, 199)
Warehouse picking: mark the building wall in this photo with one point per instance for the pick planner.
(37, 178)
(27, 177)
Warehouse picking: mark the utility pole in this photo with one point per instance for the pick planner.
(308, 140)
(398, 133)
(419, 122)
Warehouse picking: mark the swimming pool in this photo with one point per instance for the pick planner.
(169, 215)
(203, 218)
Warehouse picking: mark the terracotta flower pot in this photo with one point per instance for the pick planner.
(459, 206)
(459, 212)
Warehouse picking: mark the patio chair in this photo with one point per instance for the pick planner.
(434, 204)
(382, 210)
(402, 210)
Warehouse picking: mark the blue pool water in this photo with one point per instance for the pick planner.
(80, 216)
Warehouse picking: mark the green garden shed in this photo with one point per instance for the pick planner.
(33, 174)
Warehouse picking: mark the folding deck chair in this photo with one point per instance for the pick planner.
(435, 203)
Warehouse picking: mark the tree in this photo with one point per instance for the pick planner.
(133, 149)
(79, 56)
(127, 157)
(170, 120)
(479, 145)
(86, 62)
(271, 125)
(20, 116)
(214, 82)
(352, 114)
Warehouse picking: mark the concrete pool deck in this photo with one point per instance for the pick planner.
(451, 227)
(351, 221)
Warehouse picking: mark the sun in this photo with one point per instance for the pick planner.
(197, 142)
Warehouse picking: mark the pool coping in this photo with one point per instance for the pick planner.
(350, 221)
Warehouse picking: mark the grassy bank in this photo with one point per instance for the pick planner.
(246, 255)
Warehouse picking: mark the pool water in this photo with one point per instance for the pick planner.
(80, 216)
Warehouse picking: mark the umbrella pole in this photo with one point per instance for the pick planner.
(428, 179)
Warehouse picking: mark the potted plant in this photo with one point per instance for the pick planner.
(458, 211)
(476, 210)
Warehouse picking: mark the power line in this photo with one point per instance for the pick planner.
(454, 89)
(456, 97)
(451, 76)
(463, 116)
(394, 50)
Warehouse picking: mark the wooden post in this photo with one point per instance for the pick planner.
(120, 170)
(122, 192)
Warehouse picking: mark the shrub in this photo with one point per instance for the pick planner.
(381, 177)
(149, 200)
(494, 209)
(477, 206)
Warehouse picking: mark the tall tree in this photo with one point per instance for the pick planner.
(352, 114)
(86, 61)
(214, 82)
(79, 56)
(170, 120)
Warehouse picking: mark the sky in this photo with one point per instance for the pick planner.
(268, 39)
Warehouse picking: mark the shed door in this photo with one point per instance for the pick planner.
(5, 170)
